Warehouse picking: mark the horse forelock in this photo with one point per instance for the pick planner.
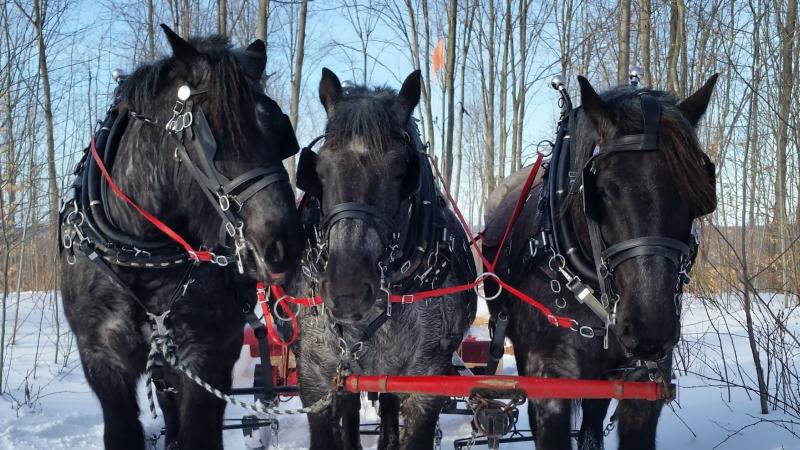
(364, 121)
(228, 101)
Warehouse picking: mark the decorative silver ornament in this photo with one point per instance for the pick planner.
(184, 92)
(558, 82)
(117, 75)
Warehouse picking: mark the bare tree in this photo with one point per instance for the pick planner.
(449, 88)
(624, 37)
(297, 79)
(644, 37)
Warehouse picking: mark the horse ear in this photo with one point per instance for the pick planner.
(695, 106)
(408, 98)
(255, 59)
(182, 50)
(594, 106)
(307, 178)
(330, 89)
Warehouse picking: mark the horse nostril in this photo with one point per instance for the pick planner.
(276, 253)
(627, 337)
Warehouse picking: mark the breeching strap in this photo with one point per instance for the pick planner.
(196, 255)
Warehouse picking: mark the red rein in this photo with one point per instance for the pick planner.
(196, 255)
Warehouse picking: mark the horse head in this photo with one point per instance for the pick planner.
(364, 176)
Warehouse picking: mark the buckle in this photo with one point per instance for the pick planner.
(410, 298)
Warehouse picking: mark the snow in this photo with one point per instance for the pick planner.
(55, 409)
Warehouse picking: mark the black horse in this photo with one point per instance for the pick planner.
(377, 225)
(196, 143)
(626, 182)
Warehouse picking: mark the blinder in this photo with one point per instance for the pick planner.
(306, 176)
(280, 127)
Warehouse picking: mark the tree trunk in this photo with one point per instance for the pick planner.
(151, 32)
(222, 17)
(624, 38)
(298, 75)
(38, 17)
(185, 22)
(787, 34)
(449, 76)
(503, 93)
(488, 75)
(427, 118)
(263, 23)
(470, 12)
(644, 39)
(522, 89)
(676, 42)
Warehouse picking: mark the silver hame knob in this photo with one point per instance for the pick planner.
(635, 75)
(117, 75)
(558, 82)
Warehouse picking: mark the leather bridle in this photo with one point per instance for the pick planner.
(84, 213)
(407, 253)
(586, 272)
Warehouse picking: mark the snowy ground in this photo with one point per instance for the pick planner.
(47, 404)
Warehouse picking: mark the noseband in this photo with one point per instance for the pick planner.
(555, 235)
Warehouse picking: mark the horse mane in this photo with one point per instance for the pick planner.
(367, 114)
(690, 167)
(229, 91)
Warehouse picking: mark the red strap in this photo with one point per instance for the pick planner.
(308, 302)
(523, 195)
(196, 255)
(552, 318)
(274, 337)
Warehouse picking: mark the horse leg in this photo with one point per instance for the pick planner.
(114, 383)
(390, 422)
(591, 434)
(201, 413)
(169, 408)
(323, 426)
(638, 420)
(552, 423)
(421, 413)
(351, 421)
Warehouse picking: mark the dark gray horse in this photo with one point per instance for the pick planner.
(116, 266)
(384, 228)
(644, 179)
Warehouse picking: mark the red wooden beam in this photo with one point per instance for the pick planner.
(462, 386)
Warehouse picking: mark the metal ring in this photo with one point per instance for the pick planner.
(71, 259)
(555, 286)
(561, 303)
(66, 241)
(220, 260)
(479, 284)
(224, 203)
(562, 263)
(586, 331)
(574, 326)
(275, 309)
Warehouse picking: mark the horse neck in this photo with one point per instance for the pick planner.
(145, 170)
